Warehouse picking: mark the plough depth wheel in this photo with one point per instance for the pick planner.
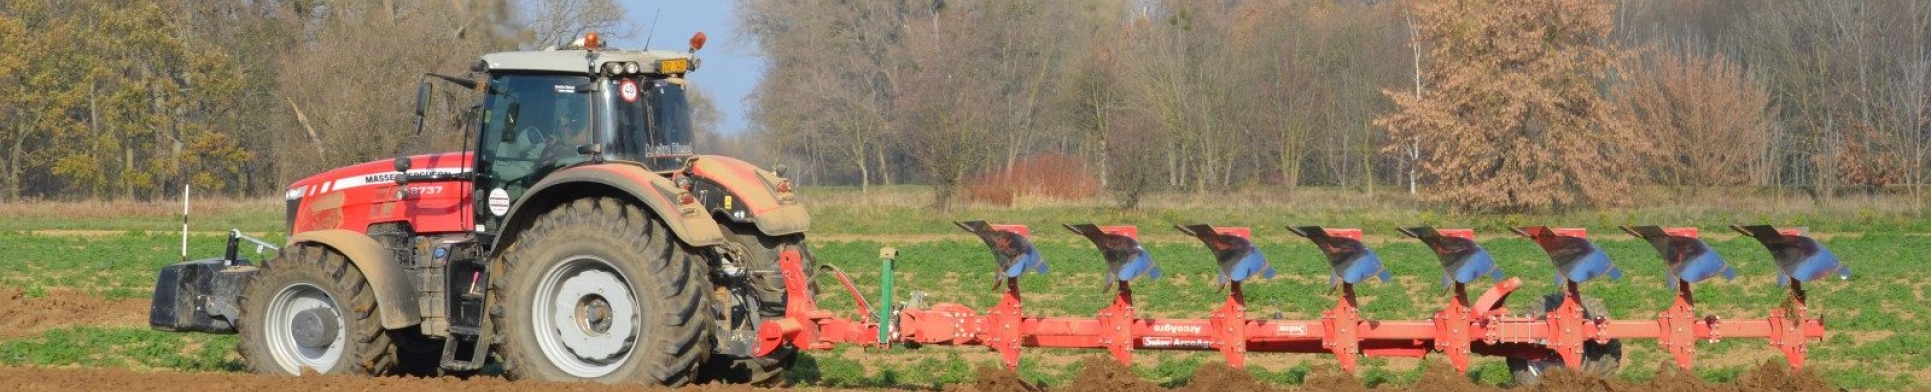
(1602, 359)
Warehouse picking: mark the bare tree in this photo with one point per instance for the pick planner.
(1515, 120)
(558, 22)
(1708, 119)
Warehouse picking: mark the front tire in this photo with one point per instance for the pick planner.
(309, 310)
(599, 290)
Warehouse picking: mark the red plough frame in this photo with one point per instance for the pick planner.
(1461, 328)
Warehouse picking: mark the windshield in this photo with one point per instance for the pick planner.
(652, 123)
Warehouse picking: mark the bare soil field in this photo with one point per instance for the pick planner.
(22, 315)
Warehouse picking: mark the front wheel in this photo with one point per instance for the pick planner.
(599, 290)
(309, 310)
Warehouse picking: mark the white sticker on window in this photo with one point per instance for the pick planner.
(499, 202)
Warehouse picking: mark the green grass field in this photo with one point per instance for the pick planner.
(1878, 333)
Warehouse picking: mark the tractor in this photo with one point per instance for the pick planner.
(580, 238)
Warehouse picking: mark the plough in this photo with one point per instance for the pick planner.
(1462, 328)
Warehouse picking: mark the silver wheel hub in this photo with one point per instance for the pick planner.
(315, 328)
(304, 329)
(585, 318)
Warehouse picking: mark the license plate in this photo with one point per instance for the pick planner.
(673, 66)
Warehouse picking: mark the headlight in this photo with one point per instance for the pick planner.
(631, 68)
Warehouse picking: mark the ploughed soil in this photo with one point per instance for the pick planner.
(1096, 375)
(22, 316)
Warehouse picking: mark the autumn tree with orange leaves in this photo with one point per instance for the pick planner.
(1512, 115)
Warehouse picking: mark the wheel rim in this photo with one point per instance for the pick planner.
(304, 329)
(585, 318)
(1536, 366)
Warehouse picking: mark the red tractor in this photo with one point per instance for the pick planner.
(580, 238)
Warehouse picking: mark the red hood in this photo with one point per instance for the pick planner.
(377, 172)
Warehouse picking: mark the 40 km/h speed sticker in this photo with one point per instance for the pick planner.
(499, 202)
(628, 90)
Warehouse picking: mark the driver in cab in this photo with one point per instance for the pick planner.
(541, 145)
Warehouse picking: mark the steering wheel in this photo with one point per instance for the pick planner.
(530, 135)
(548, 148)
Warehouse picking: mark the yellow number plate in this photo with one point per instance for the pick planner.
(673, 66)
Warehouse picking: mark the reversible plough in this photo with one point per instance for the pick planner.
(1460, 329)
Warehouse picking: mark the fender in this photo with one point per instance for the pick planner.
(745, 193)
(626, 180)
(393, 295)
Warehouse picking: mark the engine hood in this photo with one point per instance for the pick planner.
(377, 172)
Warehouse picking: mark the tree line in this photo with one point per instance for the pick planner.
(135, 99)
(1485, 105)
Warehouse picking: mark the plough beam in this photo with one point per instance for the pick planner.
(1460, 329)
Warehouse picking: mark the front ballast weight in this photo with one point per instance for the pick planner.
(201, 295)
(1463, 327)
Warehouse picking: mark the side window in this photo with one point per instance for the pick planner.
(530, 127)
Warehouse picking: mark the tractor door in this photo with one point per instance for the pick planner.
(532, 125)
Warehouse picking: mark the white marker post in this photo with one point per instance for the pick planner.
(184, 222)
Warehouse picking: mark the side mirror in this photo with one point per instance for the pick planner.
(509, 121)
(423, 91)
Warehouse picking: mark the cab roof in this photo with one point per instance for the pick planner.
(581, 61)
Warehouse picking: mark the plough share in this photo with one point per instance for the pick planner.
(1462, 328)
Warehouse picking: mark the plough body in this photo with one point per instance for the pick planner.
(1460, 329)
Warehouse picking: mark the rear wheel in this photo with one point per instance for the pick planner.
(1597, 359)
(758, 296)
(309, 310)
(599, 290)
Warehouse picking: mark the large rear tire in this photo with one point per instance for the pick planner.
(763, 292)
(309, 310)
(598, 290)
(1597, 359)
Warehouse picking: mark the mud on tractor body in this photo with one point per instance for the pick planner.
(581, 239)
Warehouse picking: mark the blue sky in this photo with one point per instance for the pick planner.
(731, 65)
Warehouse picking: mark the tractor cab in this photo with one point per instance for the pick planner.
(551, 109)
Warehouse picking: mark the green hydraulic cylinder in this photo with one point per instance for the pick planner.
(887, 258)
